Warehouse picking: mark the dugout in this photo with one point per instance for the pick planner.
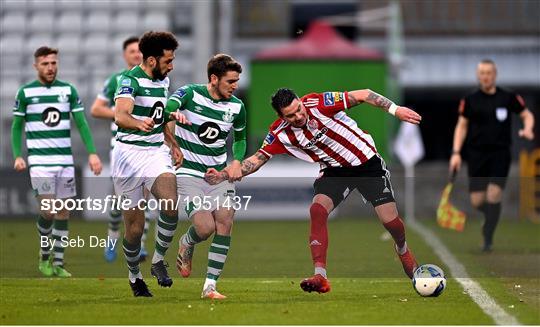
(320, 60)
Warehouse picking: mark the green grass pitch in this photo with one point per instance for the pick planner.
(266, 262)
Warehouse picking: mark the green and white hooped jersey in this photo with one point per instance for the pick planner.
(107, 94)
(203, 142)
(46, 110)
(150, 97)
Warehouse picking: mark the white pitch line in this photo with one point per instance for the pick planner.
(473, 289)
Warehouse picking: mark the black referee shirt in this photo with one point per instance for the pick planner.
(489, 116)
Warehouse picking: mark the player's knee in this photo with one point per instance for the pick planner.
(48, 215)
(134, 232)
(494, 196)
(205, 229)
(477, 201)
(318, 209)
(224, 227)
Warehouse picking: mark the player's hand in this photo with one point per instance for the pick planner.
(179, 117)
(234, 170)
(95, 164)
(20, 164)
(527, 134)
(146, 125)
(455, 162)
(213, 176)
(177, 156)
(407, 115)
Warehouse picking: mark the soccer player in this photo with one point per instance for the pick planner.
(214, 112)
(44, 107)
(141, 160)
(103, 108)
(316, 128)
(485, 124)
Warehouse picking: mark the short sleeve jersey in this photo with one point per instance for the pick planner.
(489, 116)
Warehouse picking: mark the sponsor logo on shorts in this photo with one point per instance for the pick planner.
(45, 187)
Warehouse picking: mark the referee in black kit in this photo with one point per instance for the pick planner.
(485, 121)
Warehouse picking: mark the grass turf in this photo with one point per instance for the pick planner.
(266, 262)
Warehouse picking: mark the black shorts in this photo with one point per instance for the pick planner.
(371, 179)
(488, 167)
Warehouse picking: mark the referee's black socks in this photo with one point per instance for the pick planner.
(492, 212)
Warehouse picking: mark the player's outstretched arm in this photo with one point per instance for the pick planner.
(249, 166)
(402, 113)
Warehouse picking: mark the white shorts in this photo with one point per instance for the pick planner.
(57, 181)
(195, 194)
(136, 167)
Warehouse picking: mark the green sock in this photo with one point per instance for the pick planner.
(44, 228)
(217, 254)
(191, 237)
(166, 227)
(60, 230)
(132, 254)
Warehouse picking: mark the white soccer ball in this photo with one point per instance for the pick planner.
(429, 280)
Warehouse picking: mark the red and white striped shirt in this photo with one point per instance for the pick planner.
(330, 137)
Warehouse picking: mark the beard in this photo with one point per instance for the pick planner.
(156, 73)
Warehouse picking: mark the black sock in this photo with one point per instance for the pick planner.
(482, 208)
(492, 213)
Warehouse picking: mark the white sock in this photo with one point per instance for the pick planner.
(208, 282)
(321, 271)
(157, 257)
(132, 276)
(402, 250)
(113, 235)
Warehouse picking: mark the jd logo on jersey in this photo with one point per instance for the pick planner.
(51, 117)
(208, 132)
(157, 112)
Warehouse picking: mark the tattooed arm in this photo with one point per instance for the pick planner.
(403, 113)
(249, 166)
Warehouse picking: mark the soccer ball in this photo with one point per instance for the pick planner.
(429, 280)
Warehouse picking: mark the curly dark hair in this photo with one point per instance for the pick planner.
(282, 98)
(152, 44)
(222, 63)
